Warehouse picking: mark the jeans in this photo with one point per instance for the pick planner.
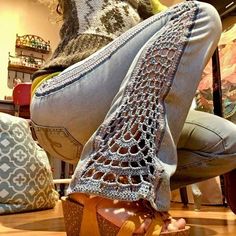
(206, 149)
(122, 110)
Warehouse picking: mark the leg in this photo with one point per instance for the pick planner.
(69, 108)
(141, 128)
(206, 149)
(133, 153)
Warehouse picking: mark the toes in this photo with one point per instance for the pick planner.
(175, 225)
(181, 223)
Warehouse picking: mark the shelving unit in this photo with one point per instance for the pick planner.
(25, 63)
(30, 54)
(32, 43)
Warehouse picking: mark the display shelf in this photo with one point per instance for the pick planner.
(29, 57)
(32, 43)
(22, 62)
(23, 69)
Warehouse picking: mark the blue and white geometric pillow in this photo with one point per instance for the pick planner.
(26, 182)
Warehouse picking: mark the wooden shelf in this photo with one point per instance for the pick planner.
(32, 43)
(28, 58)
(23, 69)
(33, 49)
(7, 106)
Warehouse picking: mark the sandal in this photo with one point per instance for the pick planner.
(82, 219)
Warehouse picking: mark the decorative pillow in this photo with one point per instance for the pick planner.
(26, 182)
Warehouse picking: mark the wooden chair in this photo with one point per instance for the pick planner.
(218, 110)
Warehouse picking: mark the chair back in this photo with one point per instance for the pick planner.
(22, 94)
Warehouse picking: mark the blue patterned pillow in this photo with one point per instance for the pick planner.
(25, 173)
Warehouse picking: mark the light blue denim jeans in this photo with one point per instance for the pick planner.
(206, 148)
(122, 110)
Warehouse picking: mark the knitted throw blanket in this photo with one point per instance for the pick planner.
(89, 25)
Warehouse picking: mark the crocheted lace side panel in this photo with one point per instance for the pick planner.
(124, 161)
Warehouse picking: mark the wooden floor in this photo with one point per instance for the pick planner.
(208, 221)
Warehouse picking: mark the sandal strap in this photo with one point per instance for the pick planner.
(133, 222)
(89, 224)
(129, 226)
(155, 227)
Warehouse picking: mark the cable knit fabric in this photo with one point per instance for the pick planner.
(95, 24)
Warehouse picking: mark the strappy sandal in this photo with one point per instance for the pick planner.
(81, 219)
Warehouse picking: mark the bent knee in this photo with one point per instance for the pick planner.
(208, 133)
(212, 17)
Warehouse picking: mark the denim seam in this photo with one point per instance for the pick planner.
(213, 131)
(198, 163)
(57, 129)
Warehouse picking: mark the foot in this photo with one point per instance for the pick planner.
(119, 211)
(123, 210)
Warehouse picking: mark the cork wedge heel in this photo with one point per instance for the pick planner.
(83, 220)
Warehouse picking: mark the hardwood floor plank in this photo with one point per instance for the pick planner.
(208, 221)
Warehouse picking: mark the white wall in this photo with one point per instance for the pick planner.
(22, 17)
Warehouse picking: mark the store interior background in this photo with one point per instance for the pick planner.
(27, 17)
(23, 17)
(32, 17)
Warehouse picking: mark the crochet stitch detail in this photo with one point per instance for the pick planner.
(124, 162)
